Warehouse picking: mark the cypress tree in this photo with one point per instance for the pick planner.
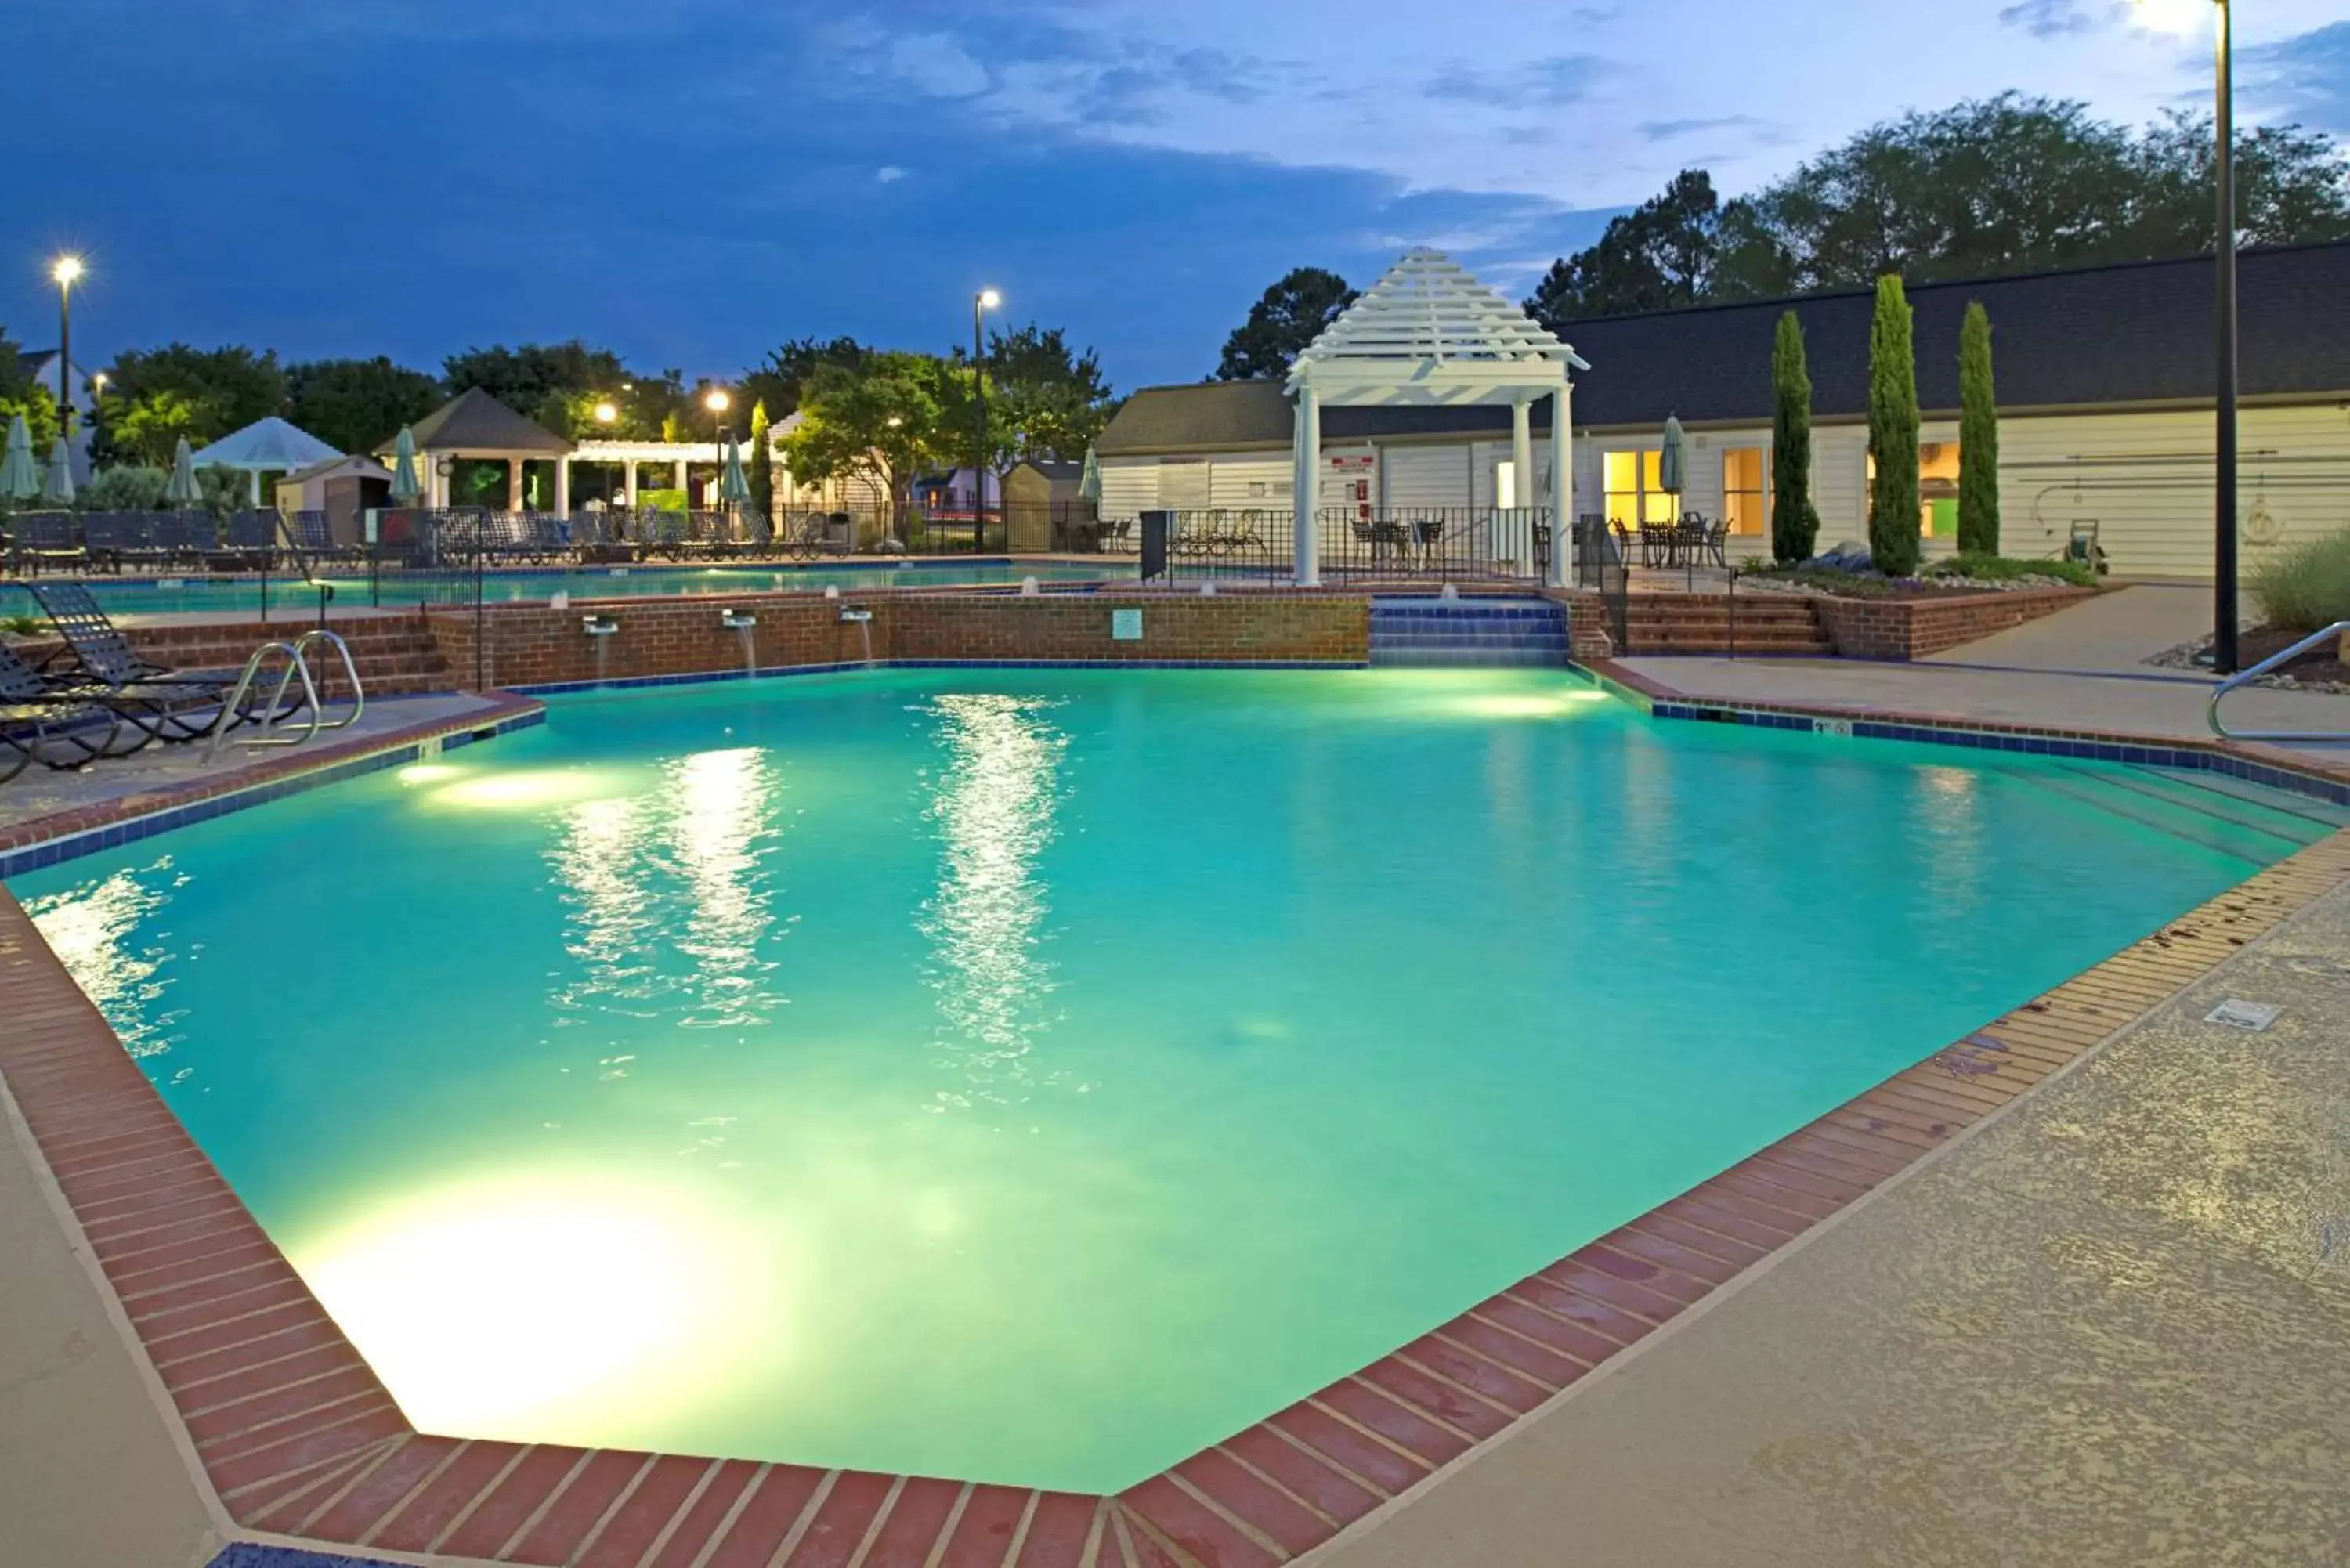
(1893, 506)
(1794, 524)
(763, 469)
(1978, 439)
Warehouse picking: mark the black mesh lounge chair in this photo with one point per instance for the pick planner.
(44, 540)
(59, 730)
(97, 662)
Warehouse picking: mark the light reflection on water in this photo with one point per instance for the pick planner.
(104, 935)
(993, 811)
(675, 870)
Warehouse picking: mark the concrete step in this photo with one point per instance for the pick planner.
(1468, 659)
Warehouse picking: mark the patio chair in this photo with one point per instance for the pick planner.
(249, 543)
(77, 729)
(312, 536)
(40, 540)
(98, 664)
(110, 538)
(199, 542)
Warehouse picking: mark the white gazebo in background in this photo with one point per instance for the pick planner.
(266, 446)
(1429, 334)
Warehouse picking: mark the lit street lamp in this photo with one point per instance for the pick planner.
(67, 272)
(717, 402)
(986, 299)
(606, 413)
(2172, 14)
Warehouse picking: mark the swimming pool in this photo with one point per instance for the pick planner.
(182, 596)
(1035, 1075)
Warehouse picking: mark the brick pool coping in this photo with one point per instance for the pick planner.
(301, 1445)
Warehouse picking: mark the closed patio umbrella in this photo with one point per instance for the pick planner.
(56, 484)
(733, 487)
(183, 489)
(406, 490)
(1672, 462)
(1089, 481)
(20, 476)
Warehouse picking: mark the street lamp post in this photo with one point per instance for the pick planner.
(67, 271)
(2223, 557)
(717, 402)
(986, 299)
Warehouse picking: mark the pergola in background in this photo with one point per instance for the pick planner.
(1429, 334)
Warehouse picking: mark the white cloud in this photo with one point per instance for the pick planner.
(889, 174)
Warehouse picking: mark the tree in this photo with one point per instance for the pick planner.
(1794, 521)
(1978, 438)
(781, 375)
(763, 465)
(1286, 318)
(522, 377)
(20, 394)
(1661, 255)
(1894, 513)
(2291, 188)
(355, 405)
(882, 420)
(201, 393)
(1043, 400)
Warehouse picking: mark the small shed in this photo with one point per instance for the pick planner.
(341, 487)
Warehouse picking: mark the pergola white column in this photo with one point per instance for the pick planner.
(1563, 567)
(513, 481)
(1428, 335)
(678, 482)
(1304, 491)
(563, 486)
(629, 484)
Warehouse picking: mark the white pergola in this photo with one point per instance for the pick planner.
(1429, 334)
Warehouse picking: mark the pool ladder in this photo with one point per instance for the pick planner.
(296, 655)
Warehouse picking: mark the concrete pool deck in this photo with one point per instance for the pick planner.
(273, 1448)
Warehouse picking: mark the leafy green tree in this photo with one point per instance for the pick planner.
(201, 393)
(1054, 400)
(125, 487)
(1661, 255)
(1794, 521)
(522, 376)
(147, 429)
(1894, 512)
(883, 419)
(762, 464)
(779, 378)
(1978, 438)
(2293, 187)
(1285, 320)
(355, 405)
(20, 394)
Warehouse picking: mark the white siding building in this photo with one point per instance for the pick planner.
(2104, 379)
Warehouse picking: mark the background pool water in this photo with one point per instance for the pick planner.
(1032, 1075)
(183, 595)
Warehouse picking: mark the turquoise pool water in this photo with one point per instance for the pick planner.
(182, 596)
(1035, 1076)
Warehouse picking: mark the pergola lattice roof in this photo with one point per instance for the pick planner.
(1428, 332)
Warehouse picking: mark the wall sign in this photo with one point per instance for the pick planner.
(1126, 626)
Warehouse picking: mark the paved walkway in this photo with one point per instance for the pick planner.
(2112, 1327)
(2115, 633)
(41, 792)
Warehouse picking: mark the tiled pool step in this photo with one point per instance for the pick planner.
(2234, 817)
(1432, 633)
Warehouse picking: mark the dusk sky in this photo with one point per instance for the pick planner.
(693, 182)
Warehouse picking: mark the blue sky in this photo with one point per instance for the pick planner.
(694, 181)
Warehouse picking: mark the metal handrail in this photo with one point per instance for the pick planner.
(2246, 677)
(297, 664)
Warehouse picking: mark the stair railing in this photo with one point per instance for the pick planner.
(2246, 677)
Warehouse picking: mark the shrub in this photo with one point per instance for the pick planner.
(126, 487)
(1795, 523)
(1978, 438)
(1893, 506)
(2007, 569)
(2306, 586)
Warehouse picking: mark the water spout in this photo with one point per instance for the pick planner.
(600, 630)
(862, 619)
(743, 626)
(1448, 593)
(1028, 588)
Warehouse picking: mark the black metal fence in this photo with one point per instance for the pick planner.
(258, 544)
(1351, 544)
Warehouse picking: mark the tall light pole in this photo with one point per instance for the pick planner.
(986, 299)
(717, 402)
(67, 272)
(2223, 557)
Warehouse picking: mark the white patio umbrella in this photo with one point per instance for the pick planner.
(183, 490)
(1672, 462)
(406, 490)
(56, 484)
(20, 476)
(1089, 481)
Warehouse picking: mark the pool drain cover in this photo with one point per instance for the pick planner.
(2237, 1013)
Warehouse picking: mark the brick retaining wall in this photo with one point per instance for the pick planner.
(1904, 630)
(533, 645)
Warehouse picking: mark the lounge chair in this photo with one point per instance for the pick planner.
(38, 540)
(98, 664)
(77, 729)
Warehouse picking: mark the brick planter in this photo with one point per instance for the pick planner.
(1904, 630)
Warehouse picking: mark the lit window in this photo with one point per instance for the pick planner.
(1634, 483)
(1746, 490)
